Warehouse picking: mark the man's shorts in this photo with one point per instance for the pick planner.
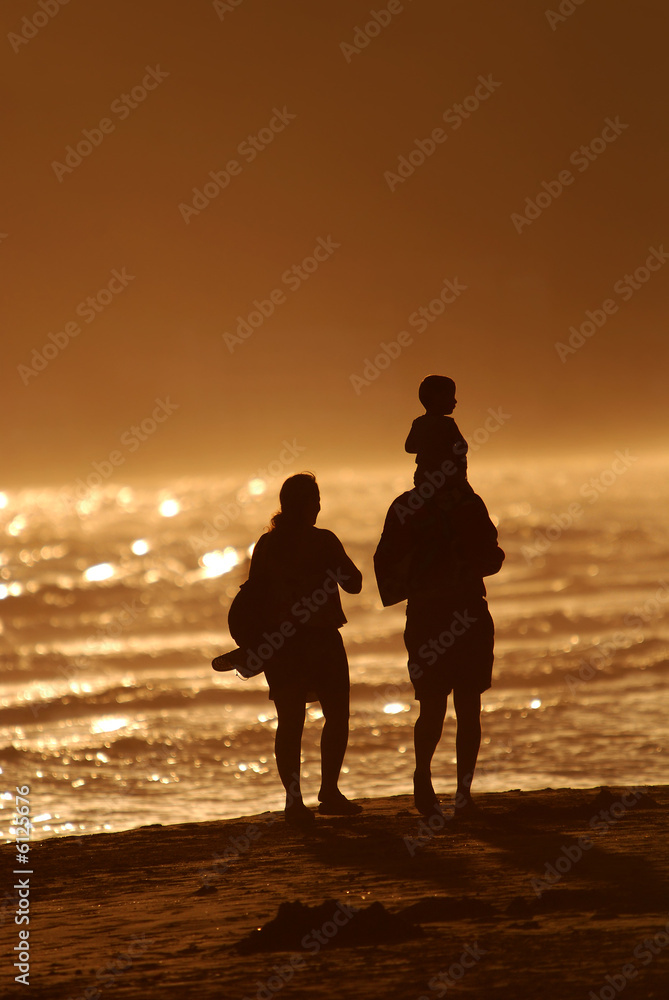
(450, 647)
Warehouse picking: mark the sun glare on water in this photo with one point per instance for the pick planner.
(218, 562)
(169, 508)
(101, 571)
(109, 724)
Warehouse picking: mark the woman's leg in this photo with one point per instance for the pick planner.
(290, 710)
(468, 739)
(334, 740)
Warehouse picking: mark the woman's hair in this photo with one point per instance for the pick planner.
(297, 497)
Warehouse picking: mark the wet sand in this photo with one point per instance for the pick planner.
(540, 895)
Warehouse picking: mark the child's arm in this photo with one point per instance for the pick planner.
(460, 447)
(412, 443)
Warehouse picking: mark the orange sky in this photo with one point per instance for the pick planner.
(330, 123)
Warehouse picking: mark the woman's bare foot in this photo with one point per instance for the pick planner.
(336, 804)
(297, 814)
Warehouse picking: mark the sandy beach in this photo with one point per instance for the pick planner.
(344, 303)
(541, 894)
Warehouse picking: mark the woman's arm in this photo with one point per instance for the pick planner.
(258, 565)
(351, 574)
(348, 575)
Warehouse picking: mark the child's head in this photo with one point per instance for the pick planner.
(437, 394)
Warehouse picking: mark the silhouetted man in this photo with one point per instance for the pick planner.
(438, 543)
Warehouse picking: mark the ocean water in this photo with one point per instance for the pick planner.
(114, 602)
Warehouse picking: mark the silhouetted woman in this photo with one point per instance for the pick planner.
(301, 568)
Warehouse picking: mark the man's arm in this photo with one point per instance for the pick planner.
(478, 538)
(392, 558)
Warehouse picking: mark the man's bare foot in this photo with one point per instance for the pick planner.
(424, 796)
(465, 806)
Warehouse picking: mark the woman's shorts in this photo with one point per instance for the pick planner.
(312, 665)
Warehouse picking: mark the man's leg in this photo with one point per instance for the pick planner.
(426, 736)
(467, 741)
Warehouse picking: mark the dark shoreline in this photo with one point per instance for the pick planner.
(553, 890)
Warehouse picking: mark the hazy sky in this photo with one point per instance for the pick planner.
(316, 117)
